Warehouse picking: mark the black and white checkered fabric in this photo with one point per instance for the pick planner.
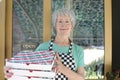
(67, 60)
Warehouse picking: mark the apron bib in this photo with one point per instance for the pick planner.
(66, 59)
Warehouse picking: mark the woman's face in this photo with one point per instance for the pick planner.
(63, 25)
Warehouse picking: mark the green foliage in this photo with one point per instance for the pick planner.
(112, 75)
(28, 14)
(90, 73)
(90, 18)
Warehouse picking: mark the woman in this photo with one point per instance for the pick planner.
(70, 57)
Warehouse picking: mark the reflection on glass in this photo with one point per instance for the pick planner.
(88, 32)
(27, 24)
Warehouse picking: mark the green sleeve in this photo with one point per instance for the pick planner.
(81, 57)
(43, 46)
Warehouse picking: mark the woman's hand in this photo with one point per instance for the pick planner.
(59, 65)
(7, 72)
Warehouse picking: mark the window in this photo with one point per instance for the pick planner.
(88, 32)
(27, 24)
(106, 41)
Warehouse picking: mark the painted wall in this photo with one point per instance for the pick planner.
(115, 33)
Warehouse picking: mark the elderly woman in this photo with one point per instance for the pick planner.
(70, 56)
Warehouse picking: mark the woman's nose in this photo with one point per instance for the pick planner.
(63, 24)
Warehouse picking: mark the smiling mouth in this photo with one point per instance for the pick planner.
(63, 29)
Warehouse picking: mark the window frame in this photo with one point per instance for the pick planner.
(7, 46)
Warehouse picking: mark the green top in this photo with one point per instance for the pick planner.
(77, 51)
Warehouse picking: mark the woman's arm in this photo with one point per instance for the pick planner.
(79, 75)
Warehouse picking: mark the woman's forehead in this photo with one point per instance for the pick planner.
(63, 16)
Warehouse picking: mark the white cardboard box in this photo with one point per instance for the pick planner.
(32, 60)
(26, 78)
(29, 66)
(23, 63)
(44, 74)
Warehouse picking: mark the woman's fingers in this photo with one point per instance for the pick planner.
(7, 72)
(57, 62)
(6, 69)
(57, 56)
(8, 75)
(58, 59)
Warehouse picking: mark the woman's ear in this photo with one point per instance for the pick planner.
(71, 28)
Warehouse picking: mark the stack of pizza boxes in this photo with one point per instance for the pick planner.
(37, 65)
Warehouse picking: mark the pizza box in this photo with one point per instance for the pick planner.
(37, 60)
(28, 78)
(34, 73)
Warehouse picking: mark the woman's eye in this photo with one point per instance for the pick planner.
(60, 21)
(66, 21)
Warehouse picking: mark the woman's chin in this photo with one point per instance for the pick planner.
(64, 34)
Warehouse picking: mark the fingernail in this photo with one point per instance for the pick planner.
(7, 71)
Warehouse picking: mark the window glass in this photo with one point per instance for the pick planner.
(88, 32)
(27, 24)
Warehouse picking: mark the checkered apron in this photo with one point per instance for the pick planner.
(66, 59)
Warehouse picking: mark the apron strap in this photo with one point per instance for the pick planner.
(51, 45)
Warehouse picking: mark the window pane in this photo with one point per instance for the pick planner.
(88, 32)
(57, 4)
(27, 24)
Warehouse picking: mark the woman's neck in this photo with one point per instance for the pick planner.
(62, 41)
